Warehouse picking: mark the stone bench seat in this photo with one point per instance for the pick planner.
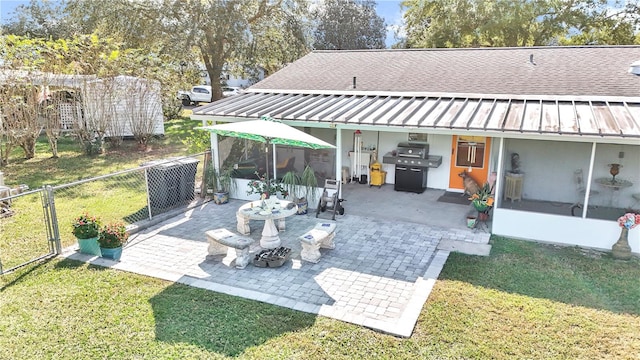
(220, 240)
(321, 236)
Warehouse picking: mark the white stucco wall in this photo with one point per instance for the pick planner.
(440, 145)
(387, 141)
(567, 230)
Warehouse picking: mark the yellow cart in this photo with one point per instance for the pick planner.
(377, 175)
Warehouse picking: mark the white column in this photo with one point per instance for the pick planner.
(499, 178)
(339, 154)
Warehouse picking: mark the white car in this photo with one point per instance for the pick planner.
(202, 93)
(229, 91)
(199, 93)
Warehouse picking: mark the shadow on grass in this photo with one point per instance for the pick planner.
(569, 275)
(220, 323)
(16, 276)
(141, 214)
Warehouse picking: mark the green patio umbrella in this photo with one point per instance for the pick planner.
(268, 131)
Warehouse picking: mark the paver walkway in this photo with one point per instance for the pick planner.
(379, 275)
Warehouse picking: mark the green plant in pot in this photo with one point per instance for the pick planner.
(222, 183)
(112, 238)
(301, 187)
(86, 228)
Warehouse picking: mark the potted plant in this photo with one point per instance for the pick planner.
(222, 183)
(308, 182)
(266, 188)
(483, 201)
(291, 182)
(86, 229)
(621, 249)
(111, 239)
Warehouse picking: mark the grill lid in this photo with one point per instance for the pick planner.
(413, 150)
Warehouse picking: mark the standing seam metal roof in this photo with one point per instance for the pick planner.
(606, 117)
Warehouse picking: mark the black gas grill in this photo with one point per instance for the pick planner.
(412, 165)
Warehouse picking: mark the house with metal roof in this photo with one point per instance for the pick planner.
(549, 126)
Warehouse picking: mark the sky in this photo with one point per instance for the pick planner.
(389, 10)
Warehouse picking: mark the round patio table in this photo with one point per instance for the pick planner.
(614, 186)
(252, 210)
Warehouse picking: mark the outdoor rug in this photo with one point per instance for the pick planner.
(454, 198)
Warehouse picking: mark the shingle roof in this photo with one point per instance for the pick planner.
(577, 71)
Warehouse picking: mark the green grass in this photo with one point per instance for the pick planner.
(525, 301)
(72, 164)
(23, 236)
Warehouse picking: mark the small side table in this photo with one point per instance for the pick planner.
(513, 187)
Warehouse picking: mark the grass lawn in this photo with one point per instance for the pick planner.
(72, 164)
(525, 301)
(23, 236)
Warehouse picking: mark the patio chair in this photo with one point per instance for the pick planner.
(581, 189)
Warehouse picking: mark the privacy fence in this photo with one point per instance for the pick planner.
(37, 224)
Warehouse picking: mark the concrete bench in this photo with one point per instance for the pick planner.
(220, 240)
(321, 236)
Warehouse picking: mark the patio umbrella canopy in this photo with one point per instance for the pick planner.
(268, 131)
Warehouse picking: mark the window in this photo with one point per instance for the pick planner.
(470, 151)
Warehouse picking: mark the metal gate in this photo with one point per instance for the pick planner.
(27, 229)
(37, 224)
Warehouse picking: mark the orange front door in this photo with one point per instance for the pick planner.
(470, 153)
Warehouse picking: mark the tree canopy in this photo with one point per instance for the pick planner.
(499, 23)
(348, 25)
(235, 33)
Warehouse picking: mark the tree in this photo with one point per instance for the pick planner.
(19, 106)
(80, 56)
(348, 25)
(500, 23)
(616, 26)
(40, 19)
(234, 33)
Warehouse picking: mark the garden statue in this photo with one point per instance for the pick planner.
(515, 163)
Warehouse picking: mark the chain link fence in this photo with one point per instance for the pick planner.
(24, 230)
(40, 222)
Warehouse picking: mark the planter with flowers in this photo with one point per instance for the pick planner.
(266, 188)
(482, 201)
(111, 239)
(86, 229)
(621, 249)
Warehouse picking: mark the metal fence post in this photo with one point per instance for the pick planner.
(54, 229)
(146, 181)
